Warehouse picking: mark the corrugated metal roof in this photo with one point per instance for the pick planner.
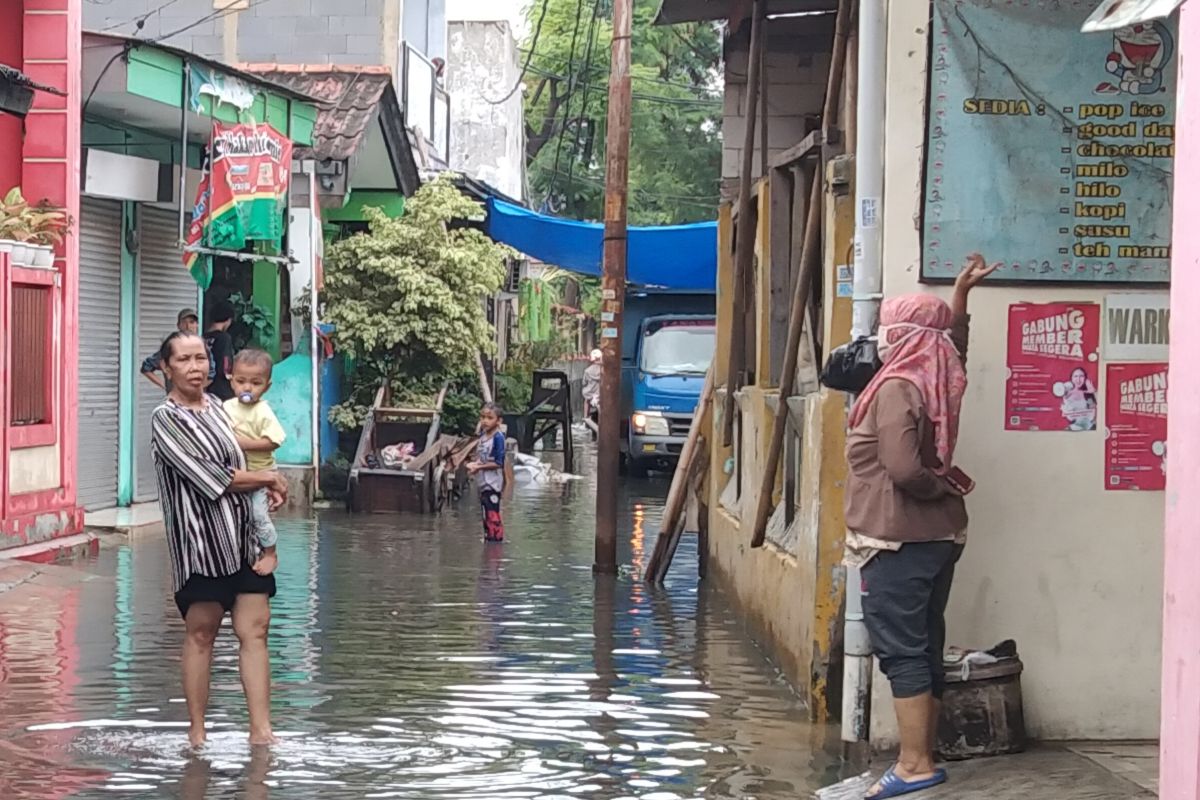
(348, 101)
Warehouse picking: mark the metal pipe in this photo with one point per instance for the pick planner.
(868, 292)
(183, 144)
(315, 242)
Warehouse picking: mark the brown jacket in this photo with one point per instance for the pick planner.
(892, 492)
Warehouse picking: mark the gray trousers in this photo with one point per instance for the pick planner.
(904, 600)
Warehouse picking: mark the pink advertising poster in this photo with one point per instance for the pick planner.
(1053, 363)
(1135, 416)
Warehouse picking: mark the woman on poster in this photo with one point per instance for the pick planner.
(1078, 401)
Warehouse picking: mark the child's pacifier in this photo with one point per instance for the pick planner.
(246, 397)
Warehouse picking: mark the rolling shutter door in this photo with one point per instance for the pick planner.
(164, 289)
(99, 352)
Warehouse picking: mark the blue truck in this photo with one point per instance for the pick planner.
(667, 343)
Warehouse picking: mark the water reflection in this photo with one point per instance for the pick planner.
(410, 661)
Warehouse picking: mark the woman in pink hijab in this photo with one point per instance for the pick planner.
(905, 514)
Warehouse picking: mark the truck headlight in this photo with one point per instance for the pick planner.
(650, 423)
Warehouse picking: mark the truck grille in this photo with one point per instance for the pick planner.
(680, 423)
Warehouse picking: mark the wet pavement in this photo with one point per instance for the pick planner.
(410, 661)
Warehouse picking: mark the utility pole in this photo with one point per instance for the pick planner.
(616, 189)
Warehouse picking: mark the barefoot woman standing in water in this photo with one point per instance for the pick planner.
(204, 488)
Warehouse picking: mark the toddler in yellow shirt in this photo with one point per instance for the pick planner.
(259, 434)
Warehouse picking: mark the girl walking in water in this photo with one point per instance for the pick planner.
(488, 469)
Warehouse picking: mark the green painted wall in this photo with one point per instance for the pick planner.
(158, 75)
(115, 137)
(392, 204)
(291, 397)
(266, 294)
(129, 366)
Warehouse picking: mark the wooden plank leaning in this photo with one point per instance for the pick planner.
(809, 261)
(670, 528)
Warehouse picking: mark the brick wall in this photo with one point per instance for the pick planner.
(797, 68)
(282, 31)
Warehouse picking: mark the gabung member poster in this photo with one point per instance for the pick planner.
(1053, 363)
(1135, 418)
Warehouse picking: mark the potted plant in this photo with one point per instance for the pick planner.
(31, 231)
(47, 225)
(14, 224)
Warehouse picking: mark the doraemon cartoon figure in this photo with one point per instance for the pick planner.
(1140, 54)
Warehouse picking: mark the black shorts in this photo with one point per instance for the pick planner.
(202, 589)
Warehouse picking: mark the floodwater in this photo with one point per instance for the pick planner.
(411, 661)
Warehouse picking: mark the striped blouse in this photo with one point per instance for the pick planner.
(195, 454)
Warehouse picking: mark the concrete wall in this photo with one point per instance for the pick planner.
(797, 68)
(487, 141)
(1072, 572)
(283, 31)
(34, 469)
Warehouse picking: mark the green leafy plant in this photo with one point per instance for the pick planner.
(675, 149)
(253, 325)
(406, 298)
(41, 224)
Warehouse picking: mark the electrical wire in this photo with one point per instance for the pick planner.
(647, 79)
(587, 70)
(220, 13)
(650, 98)
(123, 53)
(140, 19)
(570, 95)
(537, 32)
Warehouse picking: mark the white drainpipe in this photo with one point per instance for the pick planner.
(868, 291)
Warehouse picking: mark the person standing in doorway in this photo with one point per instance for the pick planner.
(187, 322)
(905, 513)
(488, 469)
(216, 564)
(220, 345)
(591, 383)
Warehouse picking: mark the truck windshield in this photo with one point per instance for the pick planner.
(678, 348)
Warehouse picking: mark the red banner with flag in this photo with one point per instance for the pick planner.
(243, 195)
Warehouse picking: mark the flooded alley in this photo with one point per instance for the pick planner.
(409, 661)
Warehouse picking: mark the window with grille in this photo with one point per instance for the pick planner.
(30, 355)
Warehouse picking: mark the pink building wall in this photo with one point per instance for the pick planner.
(44, 39)
(1180, 763)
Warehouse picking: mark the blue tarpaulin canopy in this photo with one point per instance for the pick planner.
(670, 256)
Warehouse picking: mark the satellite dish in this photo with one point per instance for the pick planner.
(1113, 14)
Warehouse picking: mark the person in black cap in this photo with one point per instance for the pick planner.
(220, 348)
(188, 321)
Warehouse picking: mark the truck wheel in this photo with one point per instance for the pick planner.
(638, 468)
(622, 464)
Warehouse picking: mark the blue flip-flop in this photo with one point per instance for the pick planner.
(892, 785)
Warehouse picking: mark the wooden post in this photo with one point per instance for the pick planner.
(744, 236)
(808, 269)
(677, 495)
(764, 152)
(616, 187)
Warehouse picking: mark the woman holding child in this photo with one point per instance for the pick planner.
(218, 563)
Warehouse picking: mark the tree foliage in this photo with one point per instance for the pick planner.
(675, 148)
(406, 299)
